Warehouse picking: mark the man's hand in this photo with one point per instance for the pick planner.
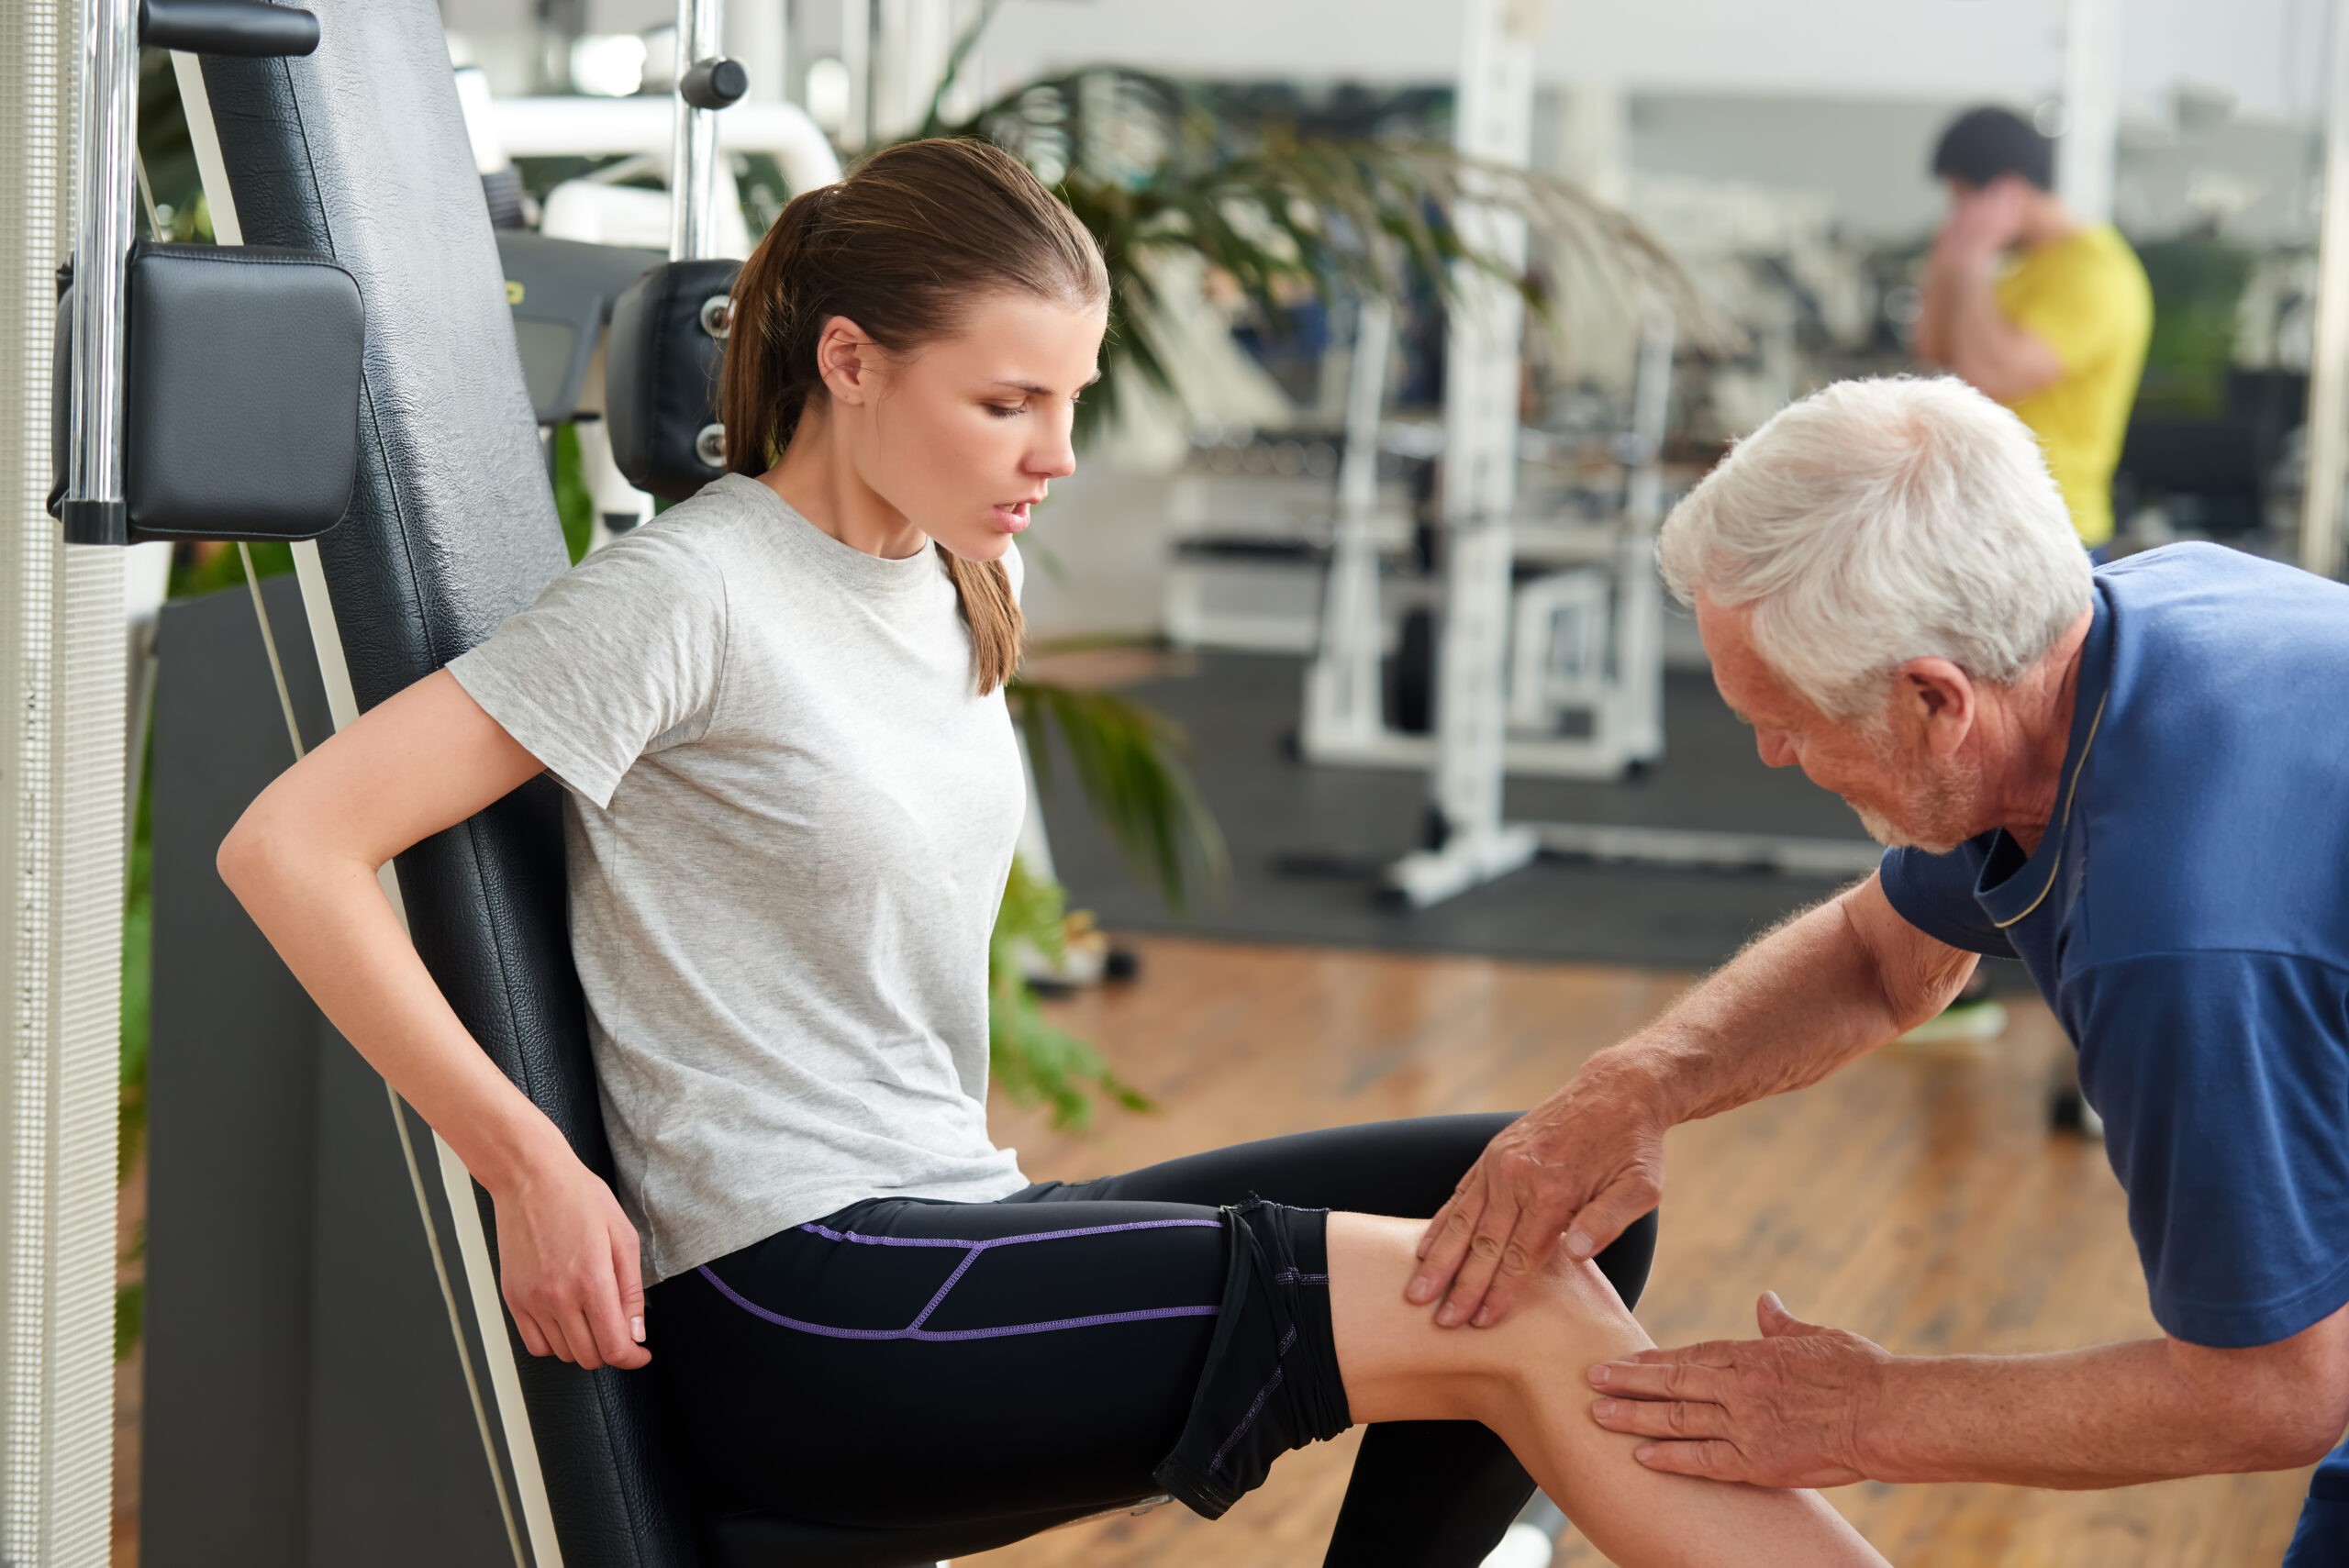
(1986, 222)
(1590, 1157)
(1784, 1410)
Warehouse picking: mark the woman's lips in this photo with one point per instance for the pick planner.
(1012, 520)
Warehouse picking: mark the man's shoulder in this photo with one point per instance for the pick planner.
(2094, 263)
(2210, 794)
(2197, 590)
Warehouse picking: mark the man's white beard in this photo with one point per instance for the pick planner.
(1940, 799)
(1885, 831)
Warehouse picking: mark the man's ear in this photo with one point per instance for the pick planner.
(1939, 699)
(847, 358)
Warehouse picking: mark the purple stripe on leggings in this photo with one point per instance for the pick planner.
(915, 1330)
(960, 1270)
(831, 1235)
(935, 1335)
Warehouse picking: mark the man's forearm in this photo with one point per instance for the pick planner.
(2111, 1416)
(1970, 336)
(1791, 1008)
(1930, 340)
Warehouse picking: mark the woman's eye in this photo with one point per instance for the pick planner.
(1001, 412)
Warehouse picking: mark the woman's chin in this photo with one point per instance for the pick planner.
(980, 544)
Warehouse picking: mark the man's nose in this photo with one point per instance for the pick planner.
(1776, 751)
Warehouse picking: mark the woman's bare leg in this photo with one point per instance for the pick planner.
(1528, 1379)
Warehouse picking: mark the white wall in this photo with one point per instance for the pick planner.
(2263, 52)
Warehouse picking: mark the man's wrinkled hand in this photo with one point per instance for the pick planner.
(1784, 1410)
(1587, 1162)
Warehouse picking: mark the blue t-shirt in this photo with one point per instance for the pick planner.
(2186, 917)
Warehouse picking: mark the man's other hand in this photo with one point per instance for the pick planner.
(1782, 1410)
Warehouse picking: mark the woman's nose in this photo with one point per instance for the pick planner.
(1057, 459)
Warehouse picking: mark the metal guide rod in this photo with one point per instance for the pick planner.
(105, 136)
(693, 157)
(326, 639)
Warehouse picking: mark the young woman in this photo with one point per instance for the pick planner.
(793, 791)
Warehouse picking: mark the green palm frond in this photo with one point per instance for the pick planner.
(1128, 760)
(1153, 168)
(1035, 1062)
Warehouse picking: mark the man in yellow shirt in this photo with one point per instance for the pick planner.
(2058, 333)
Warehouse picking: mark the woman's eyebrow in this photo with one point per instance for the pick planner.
(1032, 390)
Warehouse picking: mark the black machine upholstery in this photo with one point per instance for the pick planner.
(359, 151)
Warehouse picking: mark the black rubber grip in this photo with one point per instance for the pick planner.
(252, 28)
(715, 84)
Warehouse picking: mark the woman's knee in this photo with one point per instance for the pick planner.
(1398, 1365)
(1626, 1260)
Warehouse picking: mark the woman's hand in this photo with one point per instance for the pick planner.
(567, 1261)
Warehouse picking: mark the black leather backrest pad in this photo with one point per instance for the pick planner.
(359, 151)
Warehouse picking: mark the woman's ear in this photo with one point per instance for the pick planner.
(847, 359)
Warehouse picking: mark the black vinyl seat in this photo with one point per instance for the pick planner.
(359, 151)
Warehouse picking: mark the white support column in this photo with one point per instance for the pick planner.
(62, 673)
(2084, 152)
(2328, 442)
(1635, 713)
(1343, 714)
(757, 34)
(1494, 119)
(856, 59)
(910, 51)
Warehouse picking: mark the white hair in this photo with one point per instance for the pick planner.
(1879, 521)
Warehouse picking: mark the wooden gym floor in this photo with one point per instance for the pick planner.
(1917, 1199)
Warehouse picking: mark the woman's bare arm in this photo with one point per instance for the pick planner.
(303, 859)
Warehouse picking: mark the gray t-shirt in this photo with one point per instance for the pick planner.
(788, 822)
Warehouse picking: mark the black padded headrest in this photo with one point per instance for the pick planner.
(359, 151)
(660, 370)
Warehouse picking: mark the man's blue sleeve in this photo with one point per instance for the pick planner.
(2224, 1081)
(1935, 894)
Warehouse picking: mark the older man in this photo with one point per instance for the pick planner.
(2137, 781)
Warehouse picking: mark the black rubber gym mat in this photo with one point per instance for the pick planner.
(1306, 841)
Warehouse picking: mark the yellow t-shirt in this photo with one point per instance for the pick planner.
(2085, 297)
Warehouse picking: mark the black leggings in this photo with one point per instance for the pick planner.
(953, 1376)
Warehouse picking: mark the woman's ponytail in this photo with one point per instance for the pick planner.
(759, 394)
